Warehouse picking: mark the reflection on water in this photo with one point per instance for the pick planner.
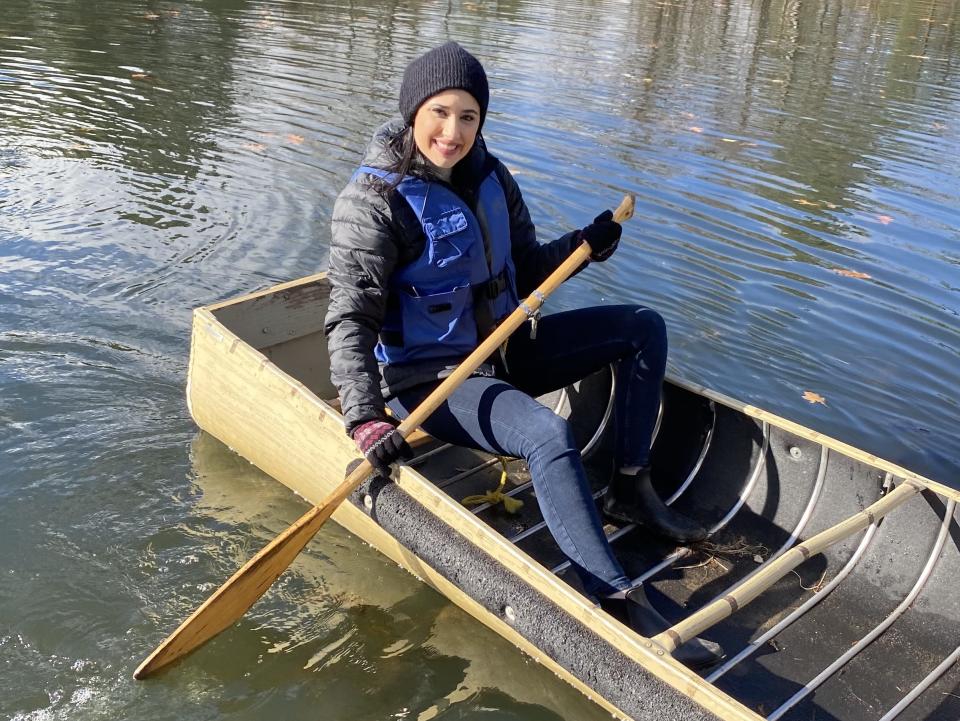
(795, 166)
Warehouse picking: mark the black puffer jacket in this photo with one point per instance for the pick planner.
(374, 231)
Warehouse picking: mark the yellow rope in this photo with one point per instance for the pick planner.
(511, 505)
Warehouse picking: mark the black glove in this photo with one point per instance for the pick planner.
(603, 235)
(380, 444)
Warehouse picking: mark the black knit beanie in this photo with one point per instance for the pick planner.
(445, 67)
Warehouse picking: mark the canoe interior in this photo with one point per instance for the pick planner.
(763, 487)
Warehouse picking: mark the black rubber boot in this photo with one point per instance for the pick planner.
(633, 499)
(636, 610)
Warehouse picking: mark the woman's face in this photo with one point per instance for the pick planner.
(445, 127)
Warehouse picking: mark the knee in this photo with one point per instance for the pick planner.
(649, 324)
(549, 432)
(649, 331)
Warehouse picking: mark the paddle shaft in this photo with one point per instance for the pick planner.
(250, 582)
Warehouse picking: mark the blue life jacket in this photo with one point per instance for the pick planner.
(446, 301)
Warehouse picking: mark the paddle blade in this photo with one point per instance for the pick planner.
(240, 592)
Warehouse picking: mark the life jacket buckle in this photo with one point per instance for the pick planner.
(495, 286)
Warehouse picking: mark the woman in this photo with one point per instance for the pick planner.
(431, 246)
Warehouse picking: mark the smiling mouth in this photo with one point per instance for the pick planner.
(447, 149)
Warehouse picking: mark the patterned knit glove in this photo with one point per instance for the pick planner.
(380, 444)
(603, 235)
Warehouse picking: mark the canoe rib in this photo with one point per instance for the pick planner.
(926, 683)
(851, 652)
(748, 487)
(704, 449)
(801, 611)
(713, 613)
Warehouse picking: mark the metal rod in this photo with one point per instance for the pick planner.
(747, 489)
(585, 451)
(426, 454)
(517, 537)
(773, 571)
(623, 530)
(922, 686)
(469, 472)
(745, 492)
(802, 610)
(610, 539)
(795, 535)
(700, 459)
(883, 625)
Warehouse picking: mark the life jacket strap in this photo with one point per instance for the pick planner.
(496, 285)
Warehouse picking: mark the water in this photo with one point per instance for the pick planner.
(158, 156)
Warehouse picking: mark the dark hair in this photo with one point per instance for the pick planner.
(404, 146)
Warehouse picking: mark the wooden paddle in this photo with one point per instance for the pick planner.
(241, 591)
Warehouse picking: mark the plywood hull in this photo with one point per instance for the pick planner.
(259, 383)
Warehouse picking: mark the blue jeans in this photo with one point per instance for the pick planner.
(500, 415)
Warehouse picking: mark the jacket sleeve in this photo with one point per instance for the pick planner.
(534, 261)
(363, 254)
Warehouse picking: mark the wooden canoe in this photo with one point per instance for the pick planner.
(829, 578)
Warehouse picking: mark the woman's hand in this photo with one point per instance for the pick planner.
(381, 444)
(603, 235)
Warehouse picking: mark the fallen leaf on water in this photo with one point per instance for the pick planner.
(256, 147)
(140, 76)
(294, 138)
(885, 219)
(804, 201)
(152, 16)
(851, 273)
(812, 397)
(696, 129)
(938, 126)
(689, 116)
